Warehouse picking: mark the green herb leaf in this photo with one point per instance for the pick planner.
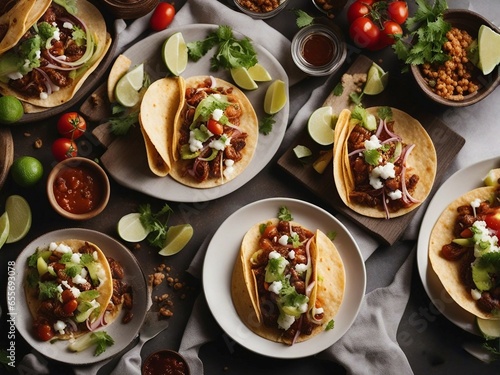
(385, 113)
(155, 223)
(303, 19)
(330, 325)
(120, 125)
(338, 89)
(47, 290)
(284, 214)
(266, 124)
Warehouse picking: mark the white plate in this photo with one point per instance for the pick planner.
(123, 334)
(131, 169)
(458, 184)
(224, 249)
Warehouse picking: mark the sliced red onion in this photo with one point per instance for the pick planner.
(386, 209)
(309, 288)
(381, 125)
(72, 325)
(406, 195)
(391, 134)
(46, 80)
(358, 151)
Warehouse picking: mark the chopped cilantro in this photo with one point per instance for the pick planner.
(47, 290)
(155, 223)
(372, 156)
(79, 36)
(303, 19)
(294, 240)
(331, 234)
(73, 270)
(385, 113)
(120, 125)
(330, 325)
(284, 214)
(266, 124)
(338, 89)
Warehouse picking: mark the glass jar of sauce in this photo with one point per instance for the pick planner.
(318, 50)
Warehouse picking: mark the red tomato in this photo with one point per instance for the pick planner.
(215, 127)
(398, 11)
(493, 221)
(67, 295)
(357, 9)
(388, 33)
(70, 306)
(270, 231)
(44, 332)
(364, 33)
(64, 148)
(71, 125)
(162, 16)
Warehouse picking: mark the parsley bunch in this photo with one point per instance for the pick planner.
(231, 52)
(429, 29)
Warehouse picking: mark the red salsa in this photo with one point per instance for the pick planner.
(318, 49)
(165, 363)
(77, 190)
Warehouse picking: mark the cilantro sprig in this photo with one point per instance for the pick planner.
(231, 52)
(156, 223)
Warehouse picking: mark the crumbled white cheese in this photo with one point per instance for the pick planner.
(95, 255)
(283, 240)
(194, 144)
(217, 114)
(317, 310)
(78, 279)
(274, 255)
(484, 235)
(301, 267)
(475, 294)
(291, 254)
(229, 170)
(44, 95)
(373, 143)
(285, 321)
(62, 248)
(75, 258)
(475, 203)
(382, 171)
(396, 194)
(275, 287)
(59, 326)
(68, 25)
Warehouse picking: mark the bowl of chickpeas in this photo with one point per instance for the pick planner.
(259, 9)
(457, 82)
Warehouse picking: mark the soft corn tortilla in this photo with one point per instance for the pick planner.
(422, 161)
(248, 124)
(328, 273)
(105, 288)
(447, 271)
(158, 113)
(95, 22)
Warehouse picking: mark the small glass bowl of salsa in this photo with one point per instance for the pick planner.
(260, 10)
(318, 49)
(165, 362)
(78, 188)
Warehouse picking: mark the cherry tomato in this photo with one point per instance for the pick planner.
(389, 33)
(64, 148)
(44, 332)
(398, 11)
(162, 16)
(70, 306)
(364, 33)
(357, 9)
(493, 221)
(67, 295)
(215, 127)
(71, 125)
(270, 231)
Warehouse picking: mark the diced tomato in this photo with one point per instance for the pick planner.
(215, 127)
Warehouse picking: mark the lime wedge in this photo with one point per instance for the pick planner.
(492, 178)
(242, 78)
(302, 151)
(259, 74)
(489, 49)
(175, 53)
(489, 328)
(4, 228)
(321, 125)
(276, 97)
(19, 213)
(376, 81)
(177, 237)
(130, 228)
(128, 86)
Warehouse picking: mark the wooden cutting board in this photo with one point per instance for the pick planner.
(6, 153)
(446, 142)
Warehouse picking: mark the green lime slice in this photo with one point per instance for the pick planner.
(490, 328)
(276, 97)
(489, 54)
(130, 228)
(302, 151)
(492, 177)
(376, 80)
(321, 125)
(242, 78)
(19, 213)
(4, 228)
(177, 237)
(175, 53)
(259, 74)
(127, 88)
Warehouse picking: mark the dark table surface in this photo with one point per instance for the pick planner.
(433, 344)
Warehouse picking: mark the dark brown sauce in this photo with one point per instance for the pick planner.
(318, 50)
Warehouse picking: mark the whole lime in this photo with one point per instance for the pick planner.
(26, 171)
(11, 109)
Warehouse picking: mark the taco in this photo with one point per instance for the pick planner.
(465, 253)
(384, 162)
(159, 110)
(215, 135)
(288, 282)
(60, 46)
(69, 290)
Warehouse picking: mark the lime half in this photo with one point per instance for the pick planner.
(321, 125)
(488, 42)
(376, 81)
(177, 237)
(130, 228)
(175, 53)
(276, 97)
(492, 178)
(242, 78)
(127, 87)
(259, 74)
(4, 228)
(19, 213)
(489, 328)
